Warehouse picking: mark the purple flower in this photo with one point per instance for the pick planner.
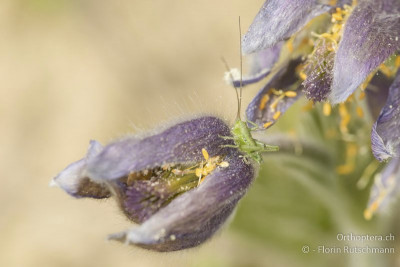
(344, 44)
(179, 185)
(356, 40)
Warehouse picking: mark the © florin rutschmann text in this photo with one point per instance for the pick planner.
(355, 244)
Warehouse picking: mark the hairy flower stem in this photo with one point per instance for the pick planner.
(299, 147)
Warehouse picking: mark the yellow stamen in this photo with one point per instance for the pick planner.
(345, 118)
(397, 62)
(309, 106)
(276, 115)
(289, 44)
(336, 28)
(367, 174)
(206, 168)
(267, 124)
(364, 85)
(338, 15)
(300, 69)
(275, 103)
(368, 213)
(382, 192)
(360, 112)
(205, 154)
(349, 166)
(302, 75)
(290, 94)
(224, 164)
(345, 169)
(333, 2)
(199, 172)
(326, 109)
(276, 92)
(386, 70)
(263, 101)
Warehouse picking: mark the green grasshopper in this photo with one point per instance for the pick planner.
(241, 133)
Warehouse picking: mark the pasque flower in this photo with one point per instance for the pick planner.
(327, 50)
(179, 185)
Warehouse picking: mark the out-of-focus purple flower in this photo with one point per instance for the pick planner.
(385, 188)
(358, 40)
(385, 140)
(179, 185)
(385, 137)
(342, 50)
(371, 35)
(278, 20)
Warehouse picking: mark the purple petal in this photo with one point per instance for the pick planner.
(262, 109)
(385, 136)
(182, 143)
(385, 189)
(371, 34)
(74, 181)
(277, 20)
(341, 3)
(195, 216)
(261, 65)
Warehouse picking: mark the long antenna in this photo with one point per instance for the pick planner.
(238, 91)
(228, 69)
(241, 69)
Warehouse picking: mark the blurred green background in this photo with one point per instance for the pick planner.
(74, 70)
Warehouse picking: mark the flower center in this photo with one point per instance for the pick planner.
(147, 191)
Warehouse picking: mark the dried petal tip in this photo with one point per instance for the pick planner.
(74, 180)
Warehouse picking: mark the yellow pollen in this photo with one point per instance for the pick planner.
(267, 124)
(345, 118)
(383, 191)
(275, 103)
(276, 115)
(326, 109)
(367, 214)
(386, 70)
(397, 62)
(309, 106)
(333, 2)
(360, 112)
(345, 169)
(351, 153)
(364, 85)
(276, 92)
(224, 164)
(336, 28)
(300, 70)
(289, 44)
(263, 101)
(205, 154)
(338, 15)
(290, 94)
(207, 167)
(302, 75)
